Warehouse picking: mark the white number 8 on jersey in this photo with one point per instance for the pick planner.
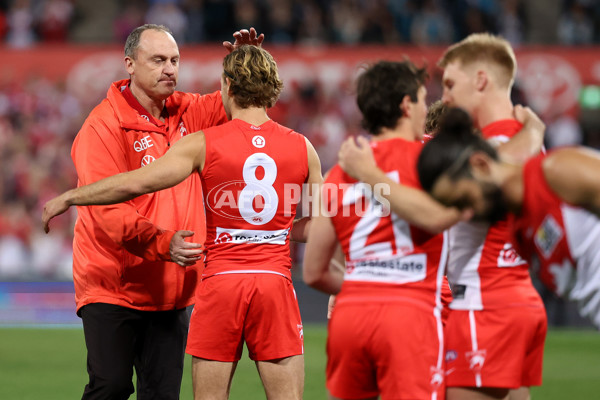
(258, 187)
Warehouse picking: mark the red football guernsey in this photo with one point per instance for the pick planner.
(386, 258)
(484, 269)
(561, 237)
(251, 182)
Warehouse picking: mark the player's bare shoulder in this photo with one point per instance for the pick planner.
(572, 174)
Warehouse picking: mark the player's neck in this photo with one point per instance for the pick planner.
(512, 185)
(252, 115)
(402, 130)
(494, 108)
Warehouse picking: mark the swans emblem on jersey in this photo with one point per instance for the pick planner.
(223, 238)
(509, 257)
(476, 359)
(547, 236)
(258, 141)
(147, 159)
(182, 129)
(437, 376)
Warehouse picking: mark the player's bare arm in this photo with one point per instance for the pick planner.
(528, 141)
(338, 261)
(301, 226)
(318, 272)
(572, 173)
(244, 36)
(186, 156)
(413, 205)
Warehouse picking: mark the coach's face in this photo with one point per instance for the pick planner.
(156, 65)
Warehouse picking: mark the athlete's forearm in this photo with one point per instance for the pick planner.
(411, 204)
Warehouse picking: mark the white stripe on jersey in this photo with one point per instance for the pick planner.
(438, 306)
(583, 235)
(250, 271)
(474, 345)
(466, 247)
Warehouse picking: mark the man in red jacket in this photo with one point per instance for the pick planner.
(131, 298)
(249, 168)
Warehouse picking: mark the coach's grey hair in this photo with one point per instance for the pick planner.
(133, 40)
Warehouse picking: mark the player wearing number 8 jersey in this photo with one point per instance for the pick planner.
(251, 171)
(385, 334)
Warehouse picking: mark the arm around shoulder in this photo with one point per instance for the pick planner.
(528, 141)
(572, 173)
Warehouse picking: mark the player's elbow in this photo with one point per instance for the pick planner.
(312, 272)
(310, 276)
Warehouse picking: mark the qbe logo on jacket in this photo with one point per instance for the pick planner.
(143, 144)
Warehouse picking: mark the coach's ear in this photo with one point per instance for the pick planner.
(481, 165)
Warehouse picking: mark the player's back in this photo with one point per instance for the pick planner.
(484, 269)
(386, 258)
(564, 240)
(251, 182)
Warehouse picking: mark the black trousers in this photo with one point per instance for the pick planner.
(119, 339)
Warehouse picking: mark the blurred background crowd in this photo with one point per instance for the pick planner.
(40, 117)
(574, 22)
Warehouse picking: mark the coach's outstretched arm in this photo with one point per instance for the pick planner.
(186, 156)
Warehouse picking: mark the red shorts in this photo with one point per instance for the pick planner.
(389, 349)
(500, 348)
(260, 309)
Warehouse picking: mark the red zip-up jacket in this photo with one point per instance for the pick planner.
(117, 249)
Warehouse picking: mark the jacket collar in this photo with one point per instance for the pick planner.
(130, 119)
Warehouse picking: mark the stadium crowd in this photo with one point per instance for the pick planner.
(25, 22)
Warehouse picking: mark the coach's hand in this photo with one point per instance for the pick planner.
(185, 253)
(244, 36)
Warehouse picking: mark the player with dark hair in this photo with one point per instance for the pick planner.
(390, 291)
(484, 269)
(555, 199)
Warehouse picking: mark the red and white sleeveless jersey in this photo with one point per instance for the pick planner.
(251, 182)
(386, 258)
(484, 269)
(563, 238)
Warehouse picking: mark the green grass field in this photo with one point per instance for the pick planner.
(50, 364)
